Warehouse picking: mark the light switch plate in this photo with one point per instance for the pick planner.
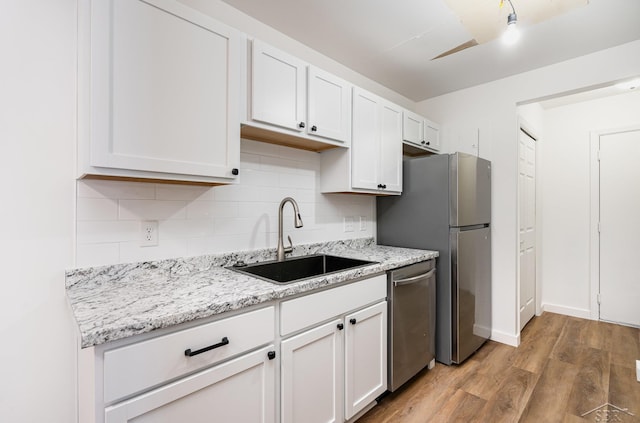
(348, 224)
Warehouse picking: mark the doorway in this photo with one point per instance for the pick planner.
(527, 225)
(618, 154)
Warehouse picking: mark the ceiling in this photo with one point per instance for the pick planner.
(394, 42)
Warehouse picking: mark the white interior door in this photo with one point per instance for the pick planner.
(619, 227)
(527, 226)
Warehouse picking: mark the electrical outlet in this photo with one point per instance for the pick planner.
(148, 233)
(348, 224)
(363, 223)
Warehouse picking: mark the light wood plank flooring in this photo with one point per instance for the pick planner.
(563, 368)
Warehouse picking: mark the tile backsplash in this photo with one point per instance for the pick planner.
(195, 220)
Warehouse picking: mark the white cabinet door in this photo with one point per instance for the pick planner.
(390, 147)
(376, 146)
(241, 390)
(365, 357)
(329, 108)
(365, 143)
(311, 374)
(412, 128)
(431, 135)
(278, 88)
(163, 90)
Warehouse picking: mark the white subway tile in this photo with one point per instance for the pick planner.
(280, 165)
(259, 178)
(89, 255)
(231, 193)
(184, 228)
(300, 181)
(133, 252)
(183, 192)
(116, 189)
(249, 161)
(107, 231)
(152, 209)
(97, 209)
(209, 209)
(233, 226)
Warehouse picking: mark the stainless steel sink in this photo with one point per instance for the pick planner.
(299, 268)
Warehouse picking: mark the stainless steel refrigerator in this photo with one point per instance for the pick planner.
(446, 206)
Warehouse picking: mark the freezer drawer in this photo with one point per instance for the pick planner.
(471, 290)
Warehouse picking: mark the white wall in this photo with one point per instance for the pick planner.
(491, 108)
(564, 162)
(197, 220)
(37, 134)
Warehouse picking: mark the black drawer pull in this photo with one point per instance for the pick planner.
(222, 343)
(340, 326)
(352, 321)
(271, 355)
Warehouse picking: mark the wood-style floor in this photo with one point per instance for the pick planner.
(563, 368)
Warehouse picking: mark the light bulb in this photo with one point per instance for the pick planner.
(511, 35)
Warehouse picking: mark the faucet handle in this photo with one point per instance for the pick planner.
(290, 247)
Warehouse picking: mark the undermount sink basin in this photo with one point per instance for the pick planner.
(298, 268)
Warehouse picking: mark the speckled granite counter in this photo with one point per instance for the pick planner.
(115, 302)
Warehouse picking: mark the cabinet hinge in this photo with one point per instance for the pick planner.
(598, 299)
(598, 227)
(598, 155)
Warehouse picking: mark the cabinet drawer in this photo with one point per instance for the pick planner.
(139, 366)
(303, 312)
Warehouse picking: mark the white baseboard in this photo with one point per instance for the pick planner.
(505, 338)
(567, 311)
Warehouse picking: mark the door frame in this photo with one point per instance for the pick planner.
(594, 221)
(525, 126)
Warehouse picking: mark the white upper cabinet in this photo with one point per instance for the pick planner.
(329, 106)
(159, 87)
(288, 98)
(420, 132)
(373, 164)
(278, 88)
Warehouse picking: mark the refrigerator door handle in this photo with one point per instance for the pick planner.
(414, 279)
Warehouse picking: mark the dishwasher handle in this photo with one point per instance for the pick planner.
(414, 279)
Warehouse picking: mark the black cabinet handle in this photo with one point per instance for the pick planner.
(301, 125)
(380, 186)
(340, 326)
(222, 343)
(352, 321)
(314, 128)
(271, 355)
(423, 142)
(428, 142)
(235, 171)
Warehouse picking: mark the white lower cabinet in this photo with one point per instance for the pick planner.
(327, 363)
(311, 375)
(365, 357)
(241, 390)
(334, 370)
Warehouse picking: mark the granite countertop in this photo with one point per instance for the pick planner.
(118, 301)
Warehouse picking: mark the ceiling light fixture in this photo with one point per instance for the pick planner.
(511, 35)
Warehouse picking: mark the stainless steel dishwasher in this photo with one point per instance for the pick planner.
(412, 321)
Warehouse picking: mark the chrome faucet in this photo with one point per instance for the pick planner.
(282, 250)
